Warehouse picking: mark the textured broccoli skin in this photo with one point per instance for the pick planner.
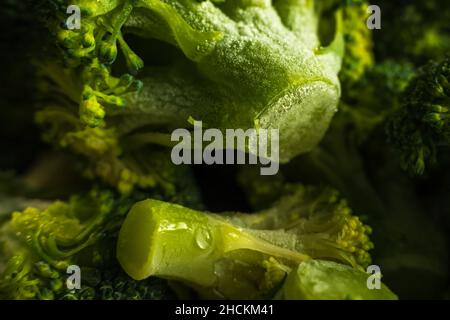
(240, 64)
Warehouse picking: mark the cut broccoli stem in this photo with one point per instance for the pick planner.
(208, 251)
(184, 235)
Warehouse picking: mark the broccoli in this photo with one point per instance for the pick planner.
(38, 244)
(316, 279)
(224, 58)
(358, 45)
(355, 158)
(421, 128)
(87, 179)
(239, 255)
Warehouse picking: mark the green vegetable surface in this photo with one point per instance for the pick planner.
(238, 255)
(318, 279)
(88, 181)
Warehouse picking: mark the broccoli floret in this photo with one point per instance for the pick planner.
(422, 125)
(358, 45)
(239, 255)
(362, 108)
(316, 214)
(37, 246)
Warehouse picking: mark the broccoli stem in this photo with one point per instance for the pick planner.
(159, 238)
(253, 68)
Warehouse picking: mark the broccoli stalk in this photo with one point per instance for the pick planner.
(239, 64)
(240, 256)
